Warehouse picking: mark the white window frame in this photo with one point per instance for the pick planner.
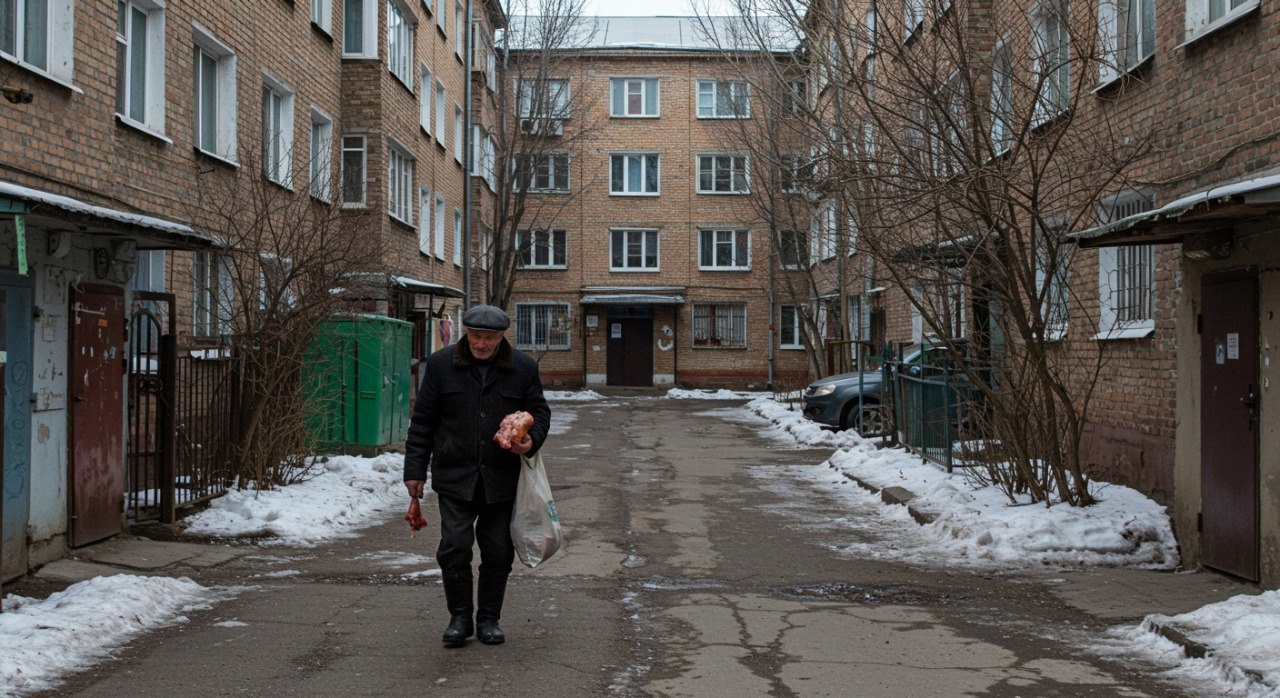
(149, 115)
(531, 314)
(439, 11)
(400, 25)
(553, 164)
(1052, 41)
(224, 94)
(426, 234)
(737, 318)
(715, 238)
(212, 293)
(794, 171)
(368, 14)
(803, 253)
(912, 17)
(457, 132)
(716, 160)
(442, 115)
(348, 146)
(620, 97)
(645, 239)
(1112, 280)
(1056, 290)
(712, 89)
(457, 237)
(277, 131)
(1200, 21)
(460, 30)
(627, 160)
(321, 155)
(1126, 30)
(795, 97)
(1001, 98)
(322, 15)
(57, 62)
(530, 242)
(551, 105)
(441, 212)
(426, 93)
(796, 327)
(400, 166)
(826, 232)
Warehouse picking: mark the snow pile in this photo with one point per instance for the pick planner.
(346, 494)
(570, 395)
(1243, 637)
(721, 394)
(785, 423)
(72, 629)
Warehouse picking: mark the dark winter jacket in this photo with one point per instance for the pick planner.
(455, 418)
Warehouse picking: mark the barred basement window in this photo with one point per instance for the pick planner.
(1126, 276)
(722, 325)
(542, 326)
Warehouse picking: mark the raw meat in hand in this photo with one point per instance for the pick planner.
(414, 517)
(513, 429)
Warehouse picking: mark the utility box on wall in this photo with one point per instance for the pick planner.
(357, 382)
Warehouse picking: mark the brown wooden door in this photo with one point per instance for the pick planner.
(96, 417)
(630, 351)
(1229, 423)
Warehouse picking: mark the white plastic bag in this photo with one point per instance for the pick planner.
(535, 525)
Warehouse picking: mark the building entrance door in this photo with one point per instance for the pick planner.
(15, 316)
(1229, 423)
(96, 376)
(630, 351)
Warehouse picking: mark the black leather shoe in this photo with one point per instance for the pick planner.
(459, 630)
(489, 633)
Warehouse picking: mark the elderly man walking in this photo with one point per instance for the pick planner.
(467, 390)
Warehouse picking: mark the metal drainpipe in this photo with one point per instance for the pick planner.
(468, 163)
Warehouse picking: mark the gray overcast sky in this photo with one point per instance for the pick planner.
(645, 8)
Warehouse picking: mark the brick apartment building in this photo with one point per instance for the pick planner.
(1174, 273)
(121, 118)
(654, 266)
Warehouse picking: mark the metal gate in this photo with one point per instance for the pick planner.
(149, 491)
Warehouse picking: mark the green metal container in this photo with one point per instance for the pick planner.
(357, 381)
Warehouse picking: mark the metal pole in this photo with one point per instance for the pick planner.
(468, 160)
(168, 428)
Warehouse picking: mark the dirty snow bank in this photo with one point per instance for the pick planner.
(571, 395)
(721, 394)
(786, 424)
(1243, 637)
(347, 493)
(72, 629)
(978, 525)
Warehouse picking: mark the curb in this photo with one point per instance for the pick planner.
(1194, 649)
(895, 495)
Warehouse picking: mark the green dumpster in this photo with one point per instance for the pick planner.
(357, 382)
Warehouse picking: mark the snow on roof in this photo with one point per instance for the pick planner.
(676, 34)
(1179, 206)
(70, 205)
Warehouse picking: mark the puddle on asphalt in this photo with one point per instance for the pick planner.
(865, 594)
(682, 584)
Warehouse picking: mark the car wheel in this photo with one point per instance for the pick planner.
(869, 423)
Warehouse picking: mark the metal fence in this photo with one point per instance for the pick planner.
(930, 404)
(203, 424)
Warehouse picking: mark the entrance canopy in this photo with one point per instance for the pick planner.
(631, 299)
(405, 283)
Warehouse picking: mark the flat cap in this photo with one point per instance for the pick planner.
(486, 317)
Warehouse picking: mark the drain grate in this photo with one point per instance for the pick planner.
(865, 594)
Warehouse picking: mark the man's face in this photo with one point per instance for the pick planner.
(483, 343)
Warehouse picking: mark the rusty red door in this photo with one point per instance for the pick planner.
(1229, 423)
(96, 391)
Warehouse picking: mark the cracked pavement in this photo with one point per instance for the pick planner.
(682, 575)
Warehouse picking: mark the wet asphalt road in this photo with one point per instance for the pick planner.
(685, 573)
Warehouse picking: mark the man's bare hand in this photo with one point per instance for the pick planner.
(415, 487)
(523, 446)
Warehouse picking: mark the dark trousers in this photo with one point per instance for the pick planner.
(464, 522)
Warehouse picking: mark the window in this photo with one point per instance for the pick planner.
(440, 229)
(1053, 60)
(460, 33)
(1204, 17)
(542, 326)
(215, 97)
(723, 99)
(212, 285)
(441, 114)
(872, 35)
(722, 174)
(1053, 273)
(426, 93)
(724, 249)
(826, 237)
(793, 249)
(1127, 31)
(548, 173)
(789, 327)
(360, 28)
(277, 132)
(38, 33)
(140, 64)
(633, 173)
(354, 160)
(400, 43)
(543, 99)
(1002, 99)
(795, 173)
(322, 15)
(457, 236)
(399, 183)
(148, 271)
(1126, 278)
(722, 325)
(276, 294)
(912, 16)
(425, 232)
(541, 249)
(457, 133)
(795, 99)
(635, 97)
(493, 72)
(633, 250)
(321, 153)
(439, 10)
